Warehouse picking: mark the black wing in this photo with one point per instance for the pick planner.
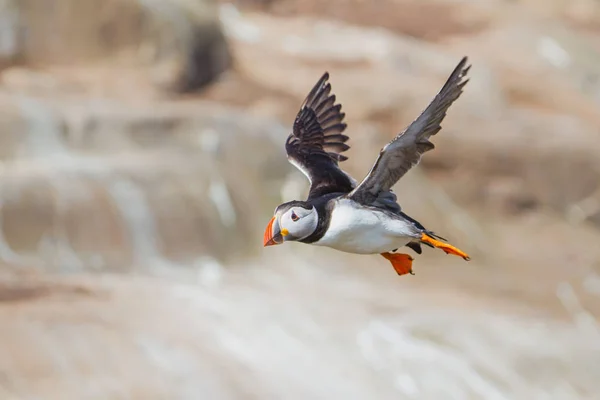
(316, 143)
(406, 149)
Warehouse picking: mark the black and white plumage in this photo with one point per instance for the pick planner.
(406, 149)
(360, 218)
(317, 141)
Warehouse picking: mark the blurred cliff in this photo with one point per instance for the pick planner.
(141, 149)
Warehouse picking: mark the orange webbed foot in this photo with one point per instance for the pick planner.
(402, 263)
(448, 248)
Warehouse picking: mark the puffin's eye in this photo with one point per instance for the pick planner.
(294, 217)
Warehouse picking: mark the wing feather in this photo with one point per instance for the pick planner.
(405, 150)
(317, 141)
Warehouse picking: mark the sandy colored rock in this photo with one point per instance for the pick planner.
(180, 41)
(174, 191)
(255, 333)
(528, 107)
(131, 261)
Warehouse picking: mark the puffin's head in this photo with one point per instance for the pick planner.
(294, 220)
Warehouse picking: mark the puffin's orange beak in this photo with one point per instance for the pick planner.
(273, 235)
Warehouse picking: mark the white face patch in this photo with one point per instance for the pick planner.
(299, 222)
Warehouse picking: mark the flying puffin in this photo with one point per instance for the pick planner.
(358, 218)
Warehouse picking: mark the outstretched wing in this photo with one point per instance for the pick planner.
(406, 149)
(317, 141)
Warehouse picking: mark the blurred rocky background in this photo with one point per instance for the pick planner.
(141, 148)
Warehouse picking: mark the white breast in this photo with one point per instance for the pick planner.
(355, 229)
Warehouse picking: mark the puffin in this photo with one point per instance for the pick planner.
(359, 218)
